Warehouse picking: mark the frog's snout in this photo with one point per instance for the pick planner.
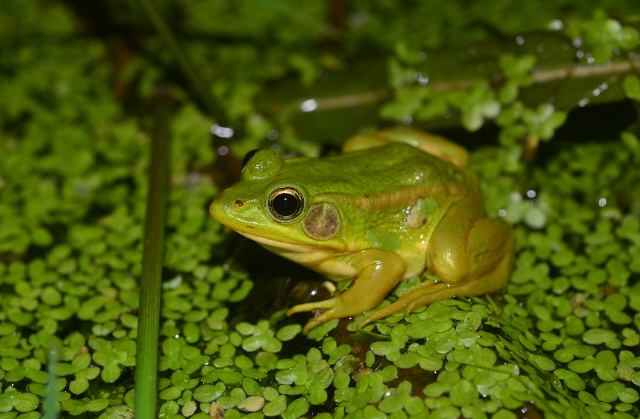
(218, 208)
(228, 209)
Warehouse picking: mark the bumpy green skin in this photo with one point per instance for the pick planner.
(370, 193)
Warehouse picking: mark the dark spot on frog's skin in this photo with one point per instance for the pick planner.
(258, 207)
(239, 203)
(251, 227)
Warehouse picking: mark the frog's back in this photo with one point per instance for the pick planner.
(392, 167)
(375, 189)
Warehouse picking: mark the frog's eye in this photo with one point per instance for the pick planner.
(247, 157)
(286, 204)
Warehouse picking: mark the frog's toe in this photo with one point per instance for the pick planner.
(310, 325)
(319, 319)
(389, 310)
(319, 305)
(405, 304)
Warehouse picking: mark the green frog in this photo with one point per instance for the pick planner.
(395, 204)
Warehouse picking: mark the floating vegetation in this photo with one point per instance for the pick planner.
(562, 341)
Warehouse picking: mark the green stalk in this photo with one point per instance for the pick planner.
(51, 400)
(185, 63)
(152, 259)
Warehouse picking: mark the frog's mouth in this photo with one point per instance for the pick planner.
(309, 256)
(274, 245)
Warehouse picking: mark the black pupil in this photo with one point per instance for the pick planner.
(286, 204)
(247, 157)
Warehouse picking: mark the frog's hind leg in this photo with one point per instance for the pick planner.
(430, 292)
(430, 143)
(471, 258)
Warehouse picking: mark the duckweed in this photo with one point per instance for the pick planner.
(562, 341)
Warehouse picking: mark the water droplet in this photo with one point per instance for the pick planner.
(602, 202)
(540, 48)
(502, 212)
(422, 57)
(422, 79)
(531, 193)
(407, 120)
(556, 25)
(272, 135)
(222, 132)
(223, 150)
(309, 105)
(520, 40)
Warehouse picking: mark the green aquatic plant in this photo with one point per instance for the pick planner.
(561, 341)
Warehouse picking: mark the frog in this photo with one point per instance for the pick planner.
(395, 204)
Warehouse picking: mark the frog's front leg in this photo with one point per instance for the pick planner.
(378, 273)
(472, 257)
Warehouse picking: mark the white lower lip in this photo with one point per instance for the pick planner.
(280, 245)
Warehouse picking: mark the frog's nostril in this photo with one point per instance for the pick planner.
(239, 203)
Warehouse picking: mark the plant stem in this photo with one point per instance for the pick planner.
(341, 101)
(185, 63)
(51, 400)
(152, 259)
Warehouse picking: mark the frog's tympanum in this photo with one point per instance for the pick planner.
(394, 205)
